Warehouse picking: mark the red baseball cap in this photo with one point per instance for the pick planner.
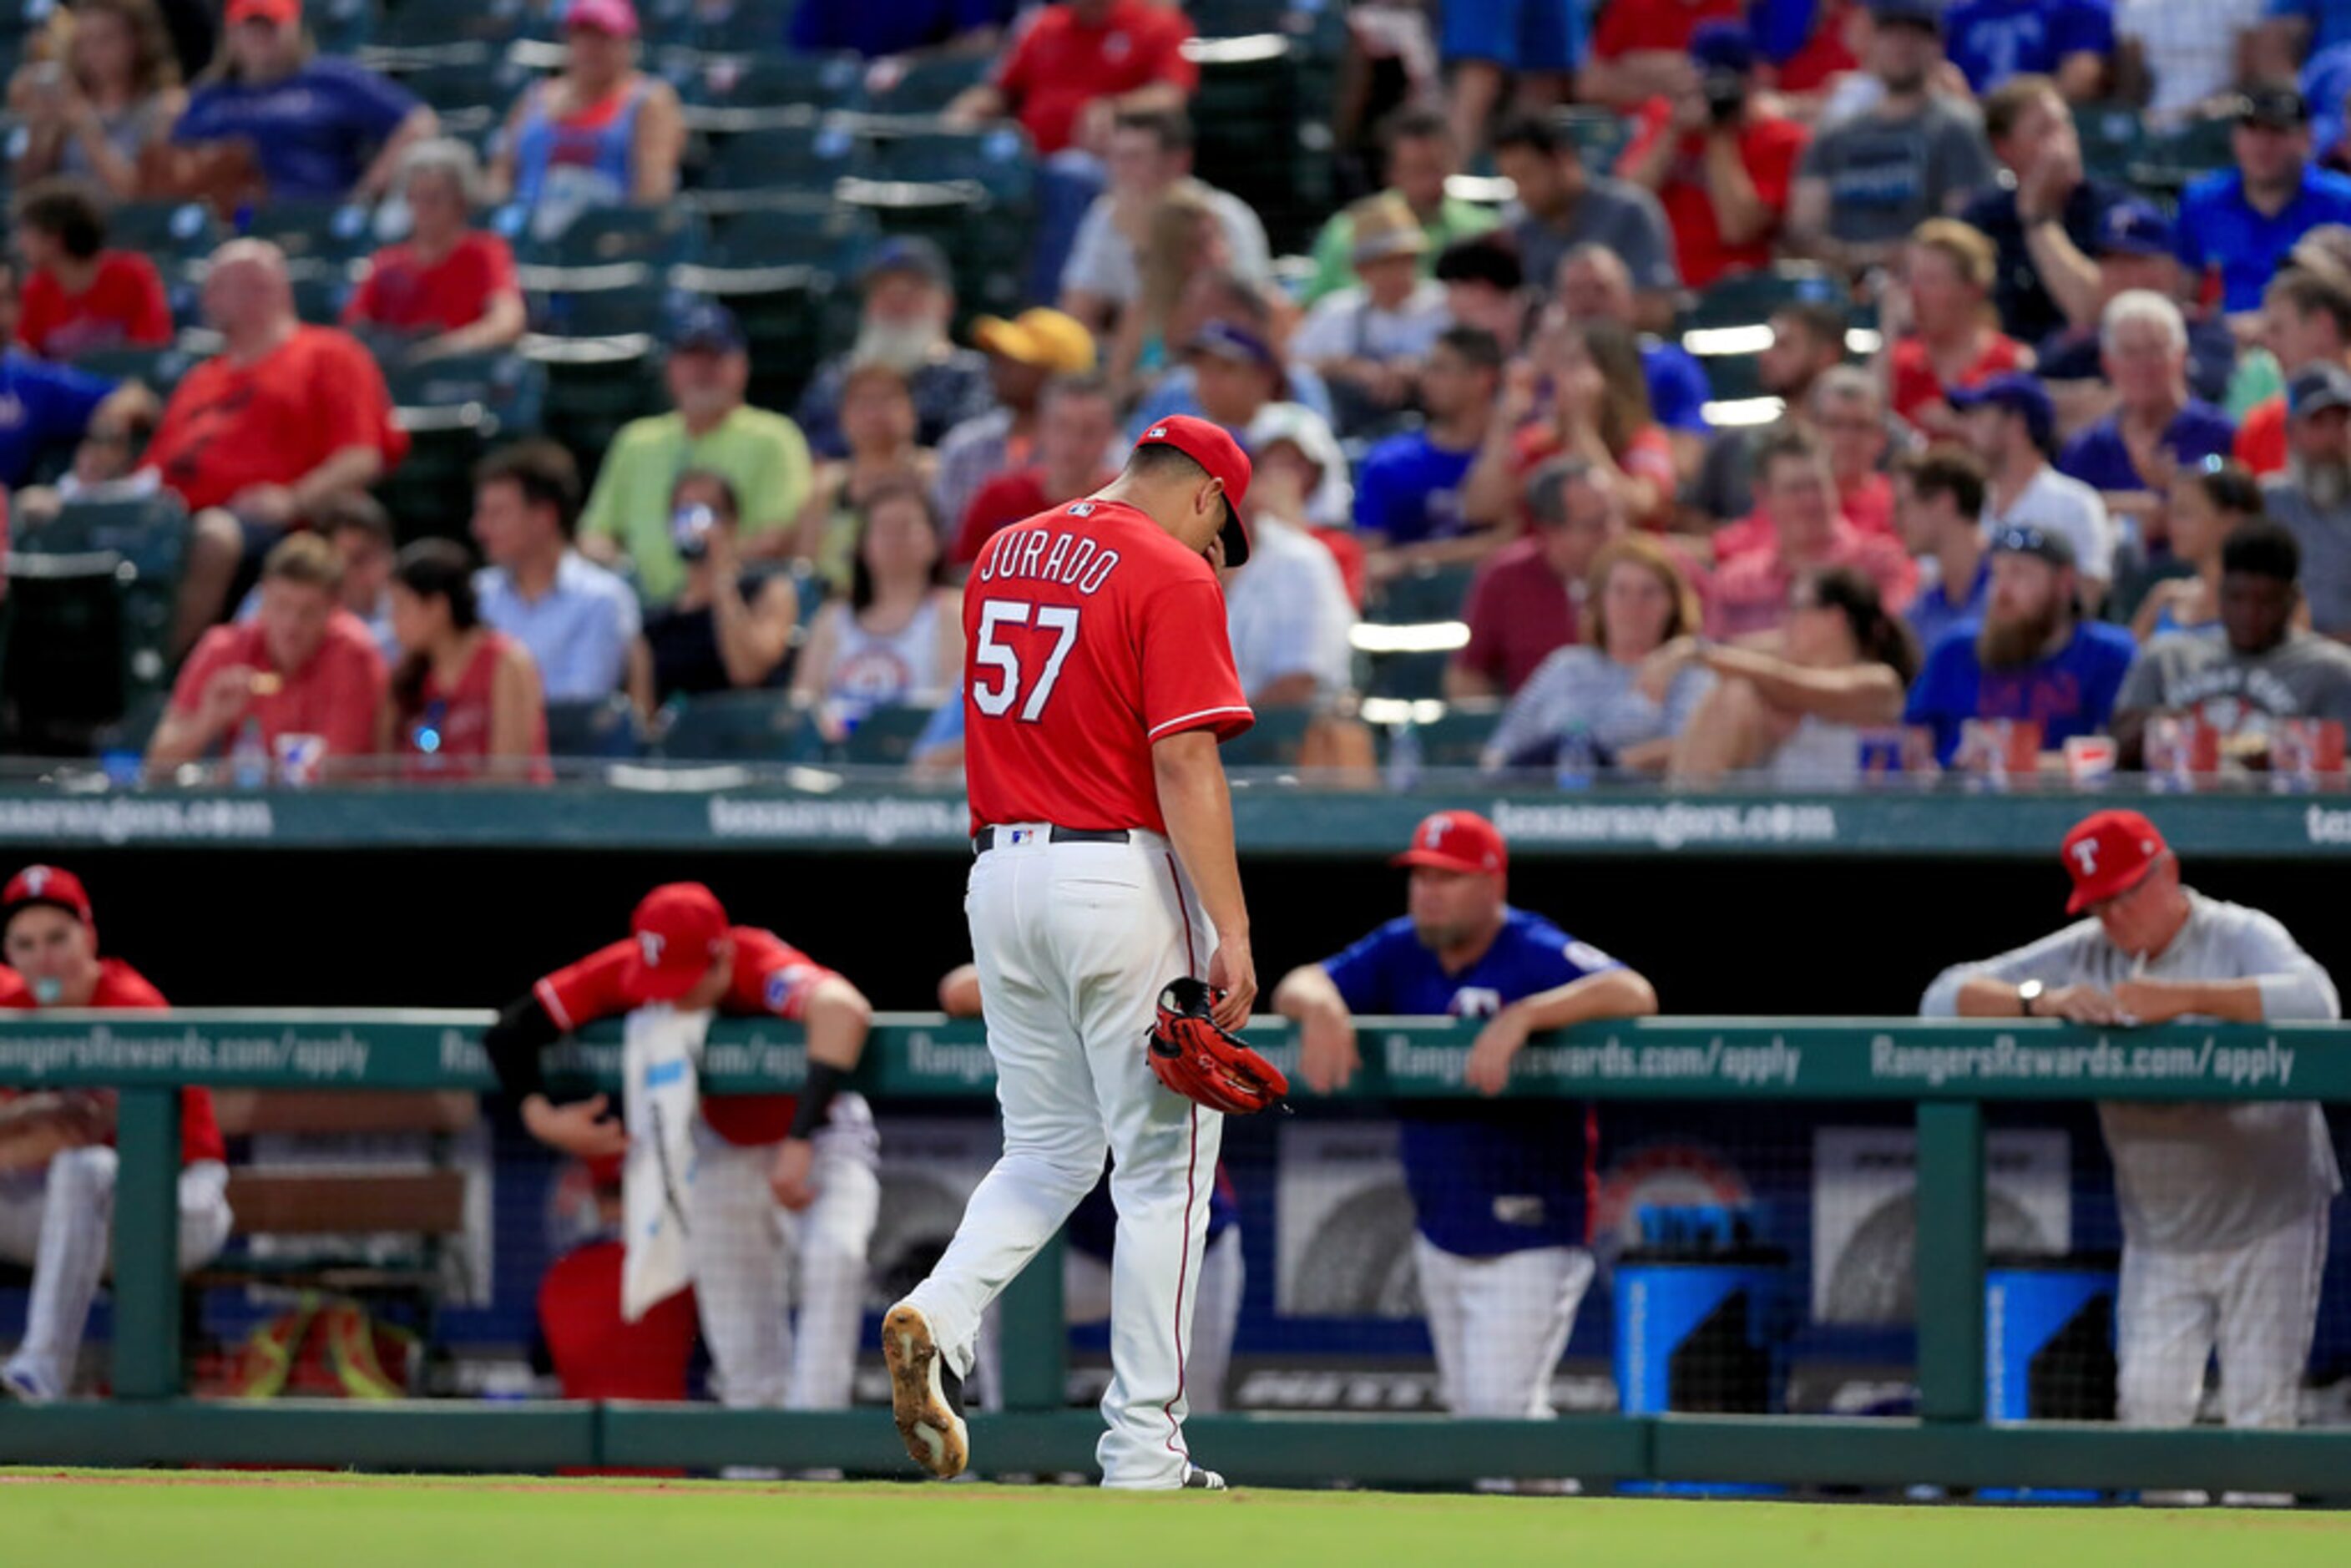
(679, 929)
(281, 13)
(615, 18)
(52, 885)
(1458, 841)
(1213, 448)
(2108, 853)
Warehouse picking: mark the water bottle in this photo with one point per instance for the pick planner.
(248, 758)
(1579, 759)
(1404, 758)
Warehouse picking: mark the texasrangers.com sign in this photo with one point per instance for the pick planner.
(1668, 825)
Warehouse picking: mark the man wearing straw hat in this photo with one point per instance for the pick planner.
(1368, 341)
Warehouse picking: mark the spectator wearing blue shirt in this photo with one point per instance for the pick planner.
(1939, 500)
(2244, 221)
(2294, 30)
(2135, 250)
(319, 129)
(1408, 493)
(1992, 41)
(2043, 221)
(43, 407)
(879, 28)
(2031, 656)
(1594, 285)
(1497, 1191)
(2155, 427)
(578, 621)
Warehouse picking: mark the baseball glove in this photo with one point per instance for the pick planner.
(1200, 1061)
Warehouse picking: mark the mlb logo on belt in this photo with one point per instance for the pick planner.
(1022, 835)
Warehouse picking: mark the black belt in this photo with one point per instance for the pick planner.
(984, 840)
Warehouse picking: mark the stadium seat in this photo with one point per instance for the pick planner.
(471, 95)
(1455, 737)
(611, 248)
(971, 192)
(1263, 132)
(743, 28)
(341, 27)
(318, 296)
(1273, 741)
(790, 158)
(160, 367)
(2113, 137)
(640, 309)
(2175, 157)
(92, 594)
(166, 233)
(731, 93)
(1599, 134)
(416, 33)
(594, 386)
(1416, 676)
(328, 233)
(606, 730)
(1726, 329)
(997, 158)
(787, 272)
(1436, 594)
(453, 409)
(735, 726)
(884, 736)
(924, 85)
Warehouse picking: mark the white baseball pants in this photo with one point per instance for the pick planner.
(2257, 1304)
(1085, 1299)
(1074, 942)
(1500, 1324)
(59, 1219)
(752, 1257)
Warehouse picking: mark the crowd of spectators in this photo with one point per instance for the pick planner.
(1794, 388)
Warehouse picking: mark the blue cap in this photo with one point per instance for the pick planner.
(1723, 47)
(2135, 228)
(707, 326)
(1239, 344)
(2018, 392)
(909, 253)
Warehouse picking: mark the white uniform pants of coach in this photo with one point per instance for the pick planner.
(1500, 1324)
(1074, 942)
(2256, 1304)
(752, 1257)
(61, 1219)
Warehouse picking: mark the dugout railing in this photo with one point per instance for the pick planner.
(1948, 1072)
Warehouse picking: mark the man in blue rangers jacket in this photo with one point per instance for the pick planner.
(1497, 1191)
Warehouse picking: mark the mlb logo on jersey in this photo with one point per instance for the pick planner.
(1082, 508)
(784, 987)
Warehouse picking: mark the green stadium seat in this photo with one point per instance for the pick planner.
(471, 95)
(605, 730)
(2173, 157)
(1458, 737)
(92, 594)
(1433, 593)
(415, 32)
(1263, 132)
(734, 93)
(611, 248)
(2112, 137)
(886, 736)
(1725, 329)
(640, 309)
(736, 726)
(925, 84)
(804, 155)
(166, 233)
(997, 158)
(787, 272)
(341, 27)
(160, 367)
(318, 296)
(453, 409)
(1599, 134)
(1416, 676)
(1273, 741)
(594, 386)
(744, 28)
(327, 233)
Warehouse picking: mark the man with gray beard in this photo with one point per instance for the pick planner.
(2313, 496)
(909, 302)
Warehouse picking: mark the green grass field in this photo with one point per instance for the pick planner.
(97, 1519)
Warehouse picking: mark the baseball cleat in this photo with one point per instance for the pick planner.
(24, 1383)
(1198, 1480)
(925, 1396)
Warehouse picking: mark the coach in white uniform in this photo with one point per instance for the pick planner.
(2223, 1204)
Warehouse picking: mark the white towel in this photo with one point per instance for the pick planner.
(660, 1049)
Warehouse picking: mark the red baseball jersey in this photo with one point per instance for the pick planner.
(771, 975)
(1088, 632)
(120, 985)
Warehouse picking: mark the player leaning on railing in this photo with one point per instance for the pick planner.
(2223, 1206)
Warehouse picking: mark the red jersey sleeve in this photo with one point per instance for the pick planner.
(592, 989)
(150, 323)
(1188, 678)
(771, 975)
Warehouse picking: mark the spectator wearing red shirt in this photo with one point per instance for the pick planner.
(449, 286)
(79, 295)
(1751, 593)
(465, 700)
(1804, 81)
(256, 438)
(1847, 412)
(1076, 66)
(62, 1222)
(1640, 49)
(1720, 162)
(1939, 326)
(1529, 599)
(303, 666)
(1077, 430)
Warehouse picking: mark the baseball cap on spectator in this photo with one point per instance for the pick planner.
(44, 884)
(277, 13)
(614, 18)
(1928, 13)
(2317, 388)
(2043, 544)
(679, 929)
(710, 328)
(1723, 47)
(1456, 840)
(1276, 423)
(2277, 105)
(2019, 393)
(2107, 854)
(1228, 341)
(907, 253)
(1384, 226)
(2135, 228)
(1215, 450)
(1042, 337)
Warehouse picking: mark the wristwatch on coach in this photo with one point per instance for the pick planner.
(2026, 995)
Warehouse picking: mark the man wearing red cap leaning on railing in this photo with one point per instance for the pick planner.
(2223, 1204)
(813, 1154)
(57, 1165)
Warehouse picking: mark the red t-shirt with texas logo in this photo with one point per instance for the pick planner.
(771, 975)
(120, 985)
(1090, 633)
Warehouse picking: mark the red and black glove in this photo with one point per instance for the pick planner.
(1200, 1061)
